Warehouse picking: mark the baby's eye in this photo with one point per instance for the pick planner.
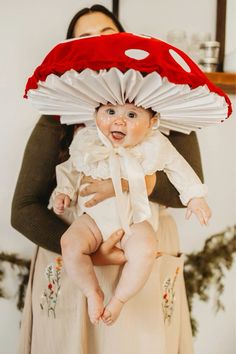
(110, 111)
(132, 114)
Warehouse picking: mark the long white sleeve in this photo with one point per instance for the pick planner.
(68, 179)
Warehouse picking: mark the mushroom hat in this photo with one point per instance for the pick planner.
(78, 75)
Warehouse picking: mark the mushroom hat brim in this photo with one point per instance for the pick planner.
(78, 75)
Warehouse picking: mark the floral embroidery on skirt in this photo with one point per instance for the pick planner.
(51, 293)
(168, 297)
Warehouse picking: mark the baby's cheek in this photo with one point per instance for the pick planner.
(103, 124)
(135, 124)
(138, 129)
(103, 120)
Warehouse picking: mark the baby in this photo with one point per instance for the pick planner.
(124, 145)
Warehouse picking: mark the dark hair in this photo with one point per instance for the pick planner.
(67, 132)
(89, 10)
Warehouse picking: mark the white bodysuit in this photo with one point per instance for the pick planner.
(92, 154)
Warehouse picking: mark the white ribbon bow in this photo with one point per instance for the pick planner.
(136, 179)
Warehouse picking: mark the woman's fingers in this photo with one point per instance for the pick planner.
(97, 198)
(91, 203)
(89, 189)
(101, 190)
(87, 179)
(112, 240)
(108, 253)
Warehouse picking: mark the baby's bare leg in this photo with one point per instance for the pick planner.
(140, 251)
(77, 243)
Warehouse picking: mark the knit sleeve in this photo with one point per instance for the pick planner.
(164, 192)
(30, 215)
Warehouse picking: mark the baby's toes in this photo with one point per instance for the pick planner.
(109, 322)
(106, 317)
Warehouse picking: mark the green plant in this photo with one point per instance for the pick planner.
(19, 265)
(206, 268)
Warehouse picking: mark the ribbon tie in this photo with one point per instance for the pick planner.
(135, 175)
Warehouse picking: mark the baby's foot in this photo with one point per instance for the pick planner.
(95, 305)
(112, 311)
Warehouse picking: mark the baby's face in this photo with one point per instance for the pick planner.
(124, 125)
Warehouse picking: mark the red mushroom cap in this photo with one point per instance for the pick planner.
(125, 51)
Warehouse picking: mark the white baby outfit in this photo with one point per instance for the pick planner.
(92, 154)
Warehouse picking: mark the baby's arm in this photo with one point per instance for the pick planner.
(200, 208)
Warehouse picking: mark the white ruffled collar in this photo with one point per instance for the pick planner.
(90, 151)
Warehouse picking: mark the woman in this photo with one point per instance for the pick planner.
(154, 328)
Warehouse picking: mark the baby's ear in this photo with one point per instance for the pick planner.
(155, 121)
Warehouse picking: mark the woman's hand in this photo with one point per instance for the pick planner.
(101, 190)
(108, 253)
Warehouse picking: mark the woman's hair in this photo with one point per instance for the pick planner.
(68, 131)
(90, 10)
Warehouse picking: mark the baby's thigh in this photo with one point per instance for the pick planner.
(142, 241)
(80, 237)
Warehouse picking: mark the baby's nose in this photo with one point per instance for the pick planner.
(120, 120)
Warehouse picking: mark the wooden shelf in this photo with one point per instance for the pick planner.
(226, 81)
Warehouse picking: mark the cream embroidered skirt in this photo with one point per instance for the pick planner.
(155, 321)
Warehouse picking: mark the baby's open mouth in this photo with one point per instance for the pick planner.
(118, 135)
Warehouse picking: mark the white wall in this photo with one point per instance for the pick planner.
(28, 30)
(158, 17)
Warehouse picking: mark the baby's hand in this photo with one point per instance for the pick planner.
(61, 202)
(200, 208)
